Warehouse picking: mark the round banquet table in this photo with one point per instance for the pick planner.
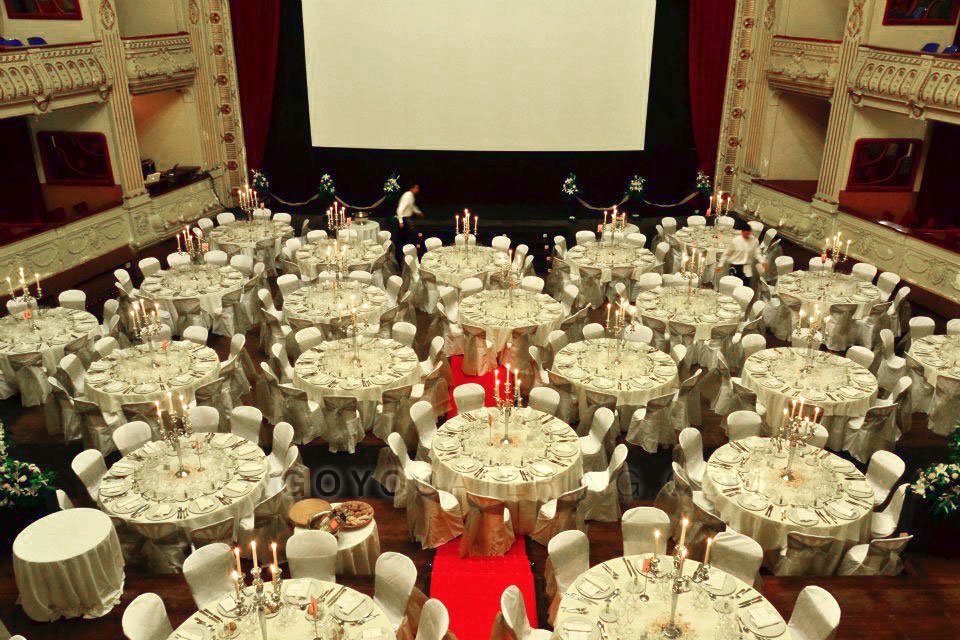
(639, 374)
(937, 355)
(708, 240)
(328, 303)
(357, 549)
(364, 619)
(180, 287)
(358, 256)
(703, 308)
(141, 374)
(225, 482)
(702, 613)
(499, 314)
(367, 229)
(840, 387)
(250, 237)
(827, 497)
(452, 265)
(68, 564)
(58, 329)
(608, 256)
(828, 288)
(542, 462)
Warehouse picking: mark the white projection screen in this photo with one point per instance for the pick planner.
(479, 75)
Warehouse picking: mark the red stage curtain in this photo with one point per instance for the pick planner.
(711, 22)
(256, 34)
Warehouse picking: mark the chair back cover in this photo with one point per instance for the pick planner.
(638, 525)
(208, 573)
(394, 577)
(146, 619)
(815, 616)
(313, 554)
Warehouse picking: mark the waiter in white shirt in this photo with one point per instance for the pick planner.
(406, 210)
(740, 255)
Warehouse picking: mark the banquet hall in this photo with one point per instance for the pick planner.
(440, 320)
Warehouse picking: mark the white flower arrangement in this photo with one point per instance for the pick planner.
(636, 186)
(326, 186)
(939, 484)
(392, 185)
(570, 188)
(260, 182)
(22, 484)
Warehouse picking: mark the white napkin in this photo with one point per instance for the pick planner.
(764, 617)
(577, 630)
(204, 502)
(298, 589)
(542, 467)
(163, 511)
(237, 487)
(190, 634)
(129, 502)
(591, 589)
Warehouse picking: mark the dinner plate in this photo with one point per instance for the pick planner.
(113, 489)
(725, 478)
(128, 504)
(446, 444)
(565, 449)
(574, 372)
(859, 490)
(183, 379)
(752, 502)
(236, 489)
(843, 510)
(593, 586)
(122, 469)
(727, 454)
(542, 469)
(505, 474)
(603, 383)
(578, 628)
(465, 465)
(224, 440)
(252, 468)
(802, 516)
(755, 366)
(764, 614)
(720, 583)
(146, 387)
(839, 464)
(161, 511)
(115, 386)
(351, 606)
(203, 504)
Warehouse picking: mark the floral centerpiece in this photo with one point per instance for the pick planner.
(939, 484)
(260, 182)
(635, 187)
(703, 184)
(570, 188)
(392, 186)
(326, 188)
(23, 485)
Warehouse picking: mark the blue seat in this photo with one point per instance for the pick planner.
(36, 41)
(13, 42)
(931, 47)
(951, 50)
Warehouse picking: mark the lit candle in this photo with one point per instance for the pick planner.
(456, 220)
(36, 277)
(475, 225)
(683, 531)
(253, 552)
(609, 306)
(273, 547)
(656, 541)
(170, 402)
(236, 554)
(706, 556)
(179, 248)
(496, 384)
(10, 287)
(683, 559)
(159, 415)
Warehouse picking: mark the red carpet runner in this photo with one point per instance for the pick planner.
(471, 587)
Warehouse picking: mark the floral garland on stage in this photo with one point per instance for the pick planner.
(327, 190)
(22, 484)
(635, 189)
(939, 484)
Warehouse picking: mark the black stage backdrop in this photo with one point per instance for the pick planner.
(452, 180)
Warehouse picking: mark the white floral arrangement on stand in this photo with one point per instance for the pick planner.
(392, 186)
(570, 188)
(939, 484)
(703, 184)
(22, 484)
(326, 186)
(636, 187)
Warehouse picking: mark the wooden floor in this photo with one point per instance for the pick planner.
(916, 605)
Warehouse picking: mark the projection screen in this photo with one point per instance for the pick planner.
(479, 75)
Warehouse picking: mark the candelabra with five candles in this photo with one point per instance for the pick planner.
(147, 328)
(796, 429)
(465, 247)
(247, 199)
(811, 336)
(511, 272)
(265, 604)
(617, 330)
(835, 251)
(193, 247)
(617, 223)
(174, 430)
(505, 403)
(692, 267)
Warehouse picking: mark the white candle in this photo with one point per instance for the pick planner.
(236, 553)
(706, 556)
(253, 552)
(656, 541)
(273, 547)
(683, 531)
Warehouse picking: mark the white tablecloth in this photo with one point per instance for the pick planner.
(607, 256)
(826, 288)
(359, 256)
(499, 313)
(141, 488)
(58, 327)
(368, 229)
(357, 549)
(703, 308)
(291, 623)
(837, 385)
(542, 462)
(641, 374)
(329, 370)
(204, 282)
(752, 498)
(68, 564)
(937, 355)
(250, 236)
(328, 303)
(137, 374)
(452, 265)
(583, 604)
(709, 240)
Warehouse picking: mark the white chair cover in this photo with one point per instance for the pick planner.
(568, 555)
(434, 621)
(469, 397)
(89, 467)
(561, 514)
(807, 554)
(602, 502)
(433, 516)
(208, 573)
(738, 555)
(245, 422)
(146, 618)
(512, 622)
(73, 299)
(394, 578)
(694, 466)
(743, 424)
(877, 558)
(312, 554)
(638, 525)
(816, 615)
(131, 436)
(545, 399)
(487, 529)
(883, 471)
